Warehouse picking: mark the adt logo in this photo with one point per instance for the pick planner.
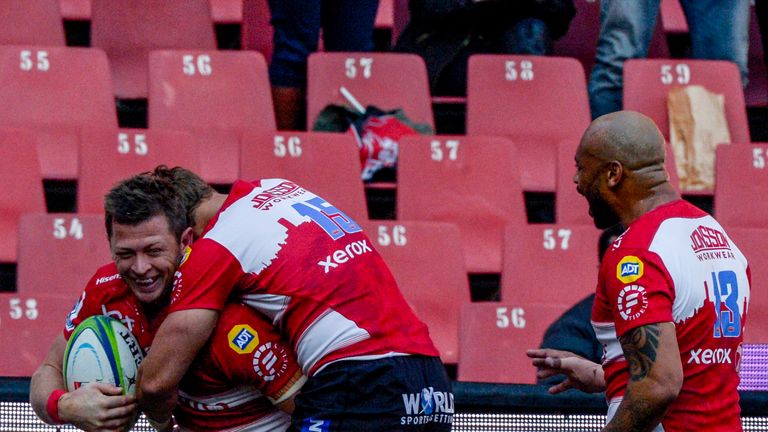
(315, 425)
(243, 339)
(630, 269)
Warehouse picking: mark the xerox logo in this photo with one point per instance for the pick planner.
(341, 256)
(710, 356)
(632, 302)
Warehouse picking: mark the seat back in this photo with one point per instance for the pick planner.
(648, 82)
(31, 22)
(554, 264)
(108, 156)
(127, 30)
(373, 79)
(493, 338)
(427, 262)
(215, 95)
(54, 91)
(741, 176)
(327, 164)
(28, 326)
(24, 187)
(74, 244)
(471, 181)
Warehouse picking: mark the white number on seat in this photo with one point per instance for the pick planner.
(550, 242)
(525, 72)
(200, 64)
(397, 237)
(439, 149)
(680, 74)
(139, 144)
(506, 316)
(60, 230)
(758, 158)
(28, 310)
(34, 59)
(351, 66)
(290, 146)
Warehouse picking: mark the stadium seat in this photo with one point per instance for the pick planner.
(110, 155)
(75, 246)
(24, 187)
(127, 30)
(756, 93)
(467, 180)
(647, 83)
(55, 91)
(327, 164)
(227, 11)
(553, 264)
(741, 176)
(493, 338)
(673, 17)
(536, 101)
(373, 79)
(572, 208)
(428, 264)
(28, 325)
(76, 10)
(31, 22)
(215, 95)
(751, 242)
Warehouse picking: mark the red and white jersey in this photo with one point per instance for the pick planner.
(107, 294)
(244, 349)
(677, 264)
(232, 384)
(307, 266)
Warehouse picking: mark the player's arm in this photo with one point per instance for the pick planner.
(96, 406)
(174, 347)
(655, 377)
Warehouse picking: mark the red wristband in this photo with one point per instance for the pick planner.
(53, 405)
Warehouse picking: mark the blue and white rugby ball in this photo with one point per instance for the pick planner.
(102, 349)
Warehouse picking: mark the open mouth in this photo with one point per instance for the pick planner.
(147, 285)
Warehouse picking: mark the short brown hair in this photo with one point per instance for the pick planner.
(172, 192)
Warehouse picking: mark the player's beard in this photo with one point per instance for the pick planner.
(603, 215)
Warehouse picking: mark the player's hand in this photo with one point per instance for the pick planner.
(580, 373)
(98, 407)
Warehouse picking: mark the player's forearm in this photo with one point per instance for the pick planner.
(44, 381)
(643, 407)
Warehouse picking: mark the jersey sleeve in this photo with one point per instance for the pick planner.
(249, 350)
(638, 289)
(87, 305)
(206, 276)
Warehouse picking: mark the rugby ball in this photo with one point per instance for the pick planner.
(102, 349)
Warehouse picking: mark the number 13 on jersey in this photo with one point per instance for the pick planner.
(332, 220)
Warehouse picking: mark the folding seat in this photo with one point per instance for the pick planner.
(326, 164)
(428, 264)
(256, 31)
(129, 29)
(536, 101)
(756, 93)
(751, 242)
(31, 22)
(648, 82)
(76, 10)
(109, 155)
(553, 264)
(23, 187)
(741, 176)
(471, 181)
(493, 338)
(55, 91)
(29, 325)
(227, 11)
(372, 79)
(673, 17)
(59, 252)
(215, 95)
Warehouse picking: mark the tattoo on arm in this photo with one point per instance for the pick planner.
(640, 345)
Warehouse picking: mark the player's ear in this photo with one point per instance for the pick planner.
(615, 172)
(187, 237)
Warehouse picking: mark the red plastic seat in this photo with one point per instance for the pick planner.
(648, 82)
(428, 264)
(256, 32)
(108, 156)
(58, 253)
(76, 10)
(741, 185)
(751, 242)
(55, 91)
(227, 11)
(28, 325)
(373, 79)
(31, 22)
(553, 264)
(215, 95)
(24, 187)
(536, 101)
(493, 338)
(756, 93)
(127, 30)
(327, 164)
(471, 181)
